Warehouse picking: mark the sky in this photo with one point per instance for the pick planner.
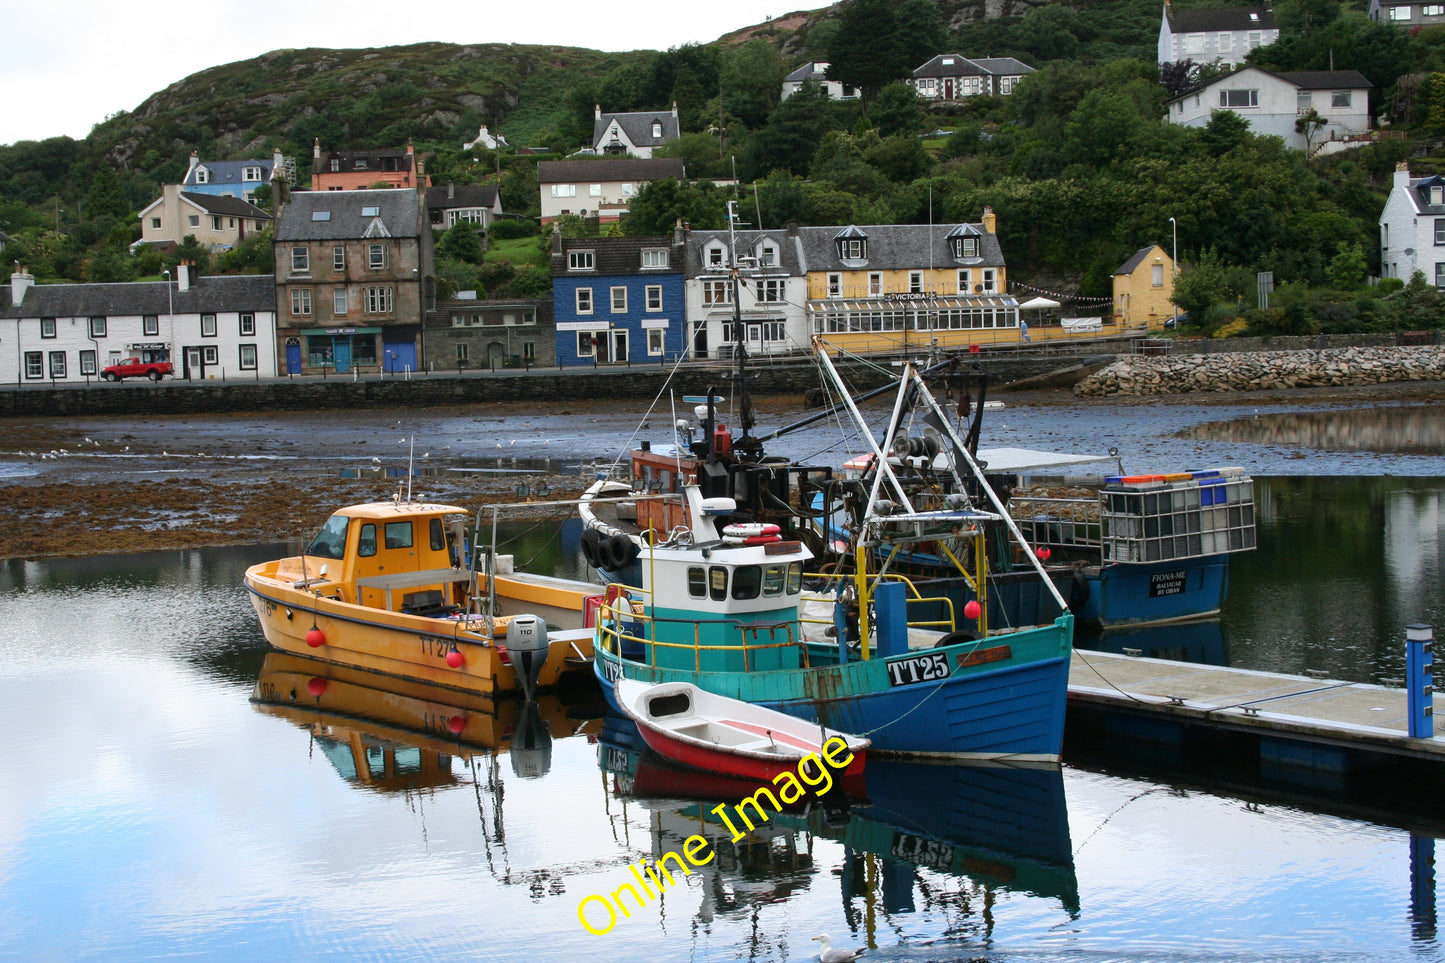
(68, 66)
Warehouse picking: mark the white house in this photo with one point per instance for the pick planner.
(634, 134)
(209, 328)
(478, 204)
(817, 72)
(1403, 13)
(953, 77)
(486, 140)
(772, 293)
(1272, 102)
(1412, 228)
(1205, 36)
(599, 188)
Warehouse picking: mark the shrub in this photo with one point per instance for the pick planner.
(508, 228)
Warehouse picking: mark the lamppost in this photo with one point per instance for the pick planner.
(1174, 272)
(170, 317)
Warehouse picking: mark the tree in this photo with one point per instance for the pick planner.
(1348, 268)
(896, 110)
(105, 199)
(659, 205)
(1178, 76)
(868, 51)
(1309, 124)
(191, 250)
(1225, 131)
(924, 35)
(460, 243)
(1203, 286)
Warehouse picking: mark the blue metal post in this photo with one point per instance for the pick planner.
(1419, 680)
(890, 605)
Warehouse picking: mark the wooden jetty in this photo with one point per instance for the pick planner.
(1305, 722)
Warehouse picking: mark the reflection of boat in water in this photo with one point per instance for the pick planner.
(994, 827)
(1202, 641)
(387, 587)
(394, 734)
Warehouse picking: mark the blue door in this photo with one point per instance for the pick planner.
(400, 356)
(293, 359)
(341, 354)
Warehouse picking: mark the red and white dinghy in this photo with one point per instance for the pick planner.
(701, 730)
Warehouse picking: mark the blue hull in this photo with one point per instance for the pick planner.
(1134, 594)
(1007, 709)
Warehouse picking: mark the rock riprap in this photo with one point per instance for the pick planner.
(1263, 371)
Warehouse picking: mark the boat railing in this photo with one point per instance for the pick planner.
(618, 623)
(913, 597)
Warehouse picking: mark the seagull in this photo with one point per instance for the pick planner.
(829, 955)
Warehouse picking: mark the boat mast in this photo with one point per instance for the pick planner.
(747, 445)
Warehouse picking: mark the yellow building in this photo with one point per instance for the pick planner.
(1143, 286)
(892, 288)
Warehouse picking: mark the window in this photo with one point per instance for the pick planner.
(366, 541)
(1440, 230)
(216, 222)
(964, 247)
(194, 220)
(654, 258)
(150, 326)
(335, 165)
(564, 190)
(529, 351)
(97, 327)
(697, 583)
(203, 176)
(376, 256)
(835, 285)
(656, 338)
(770, 290)
(965, 282)
(34, 364)
(619, 300)
(584, 300)
(248, 357)
(248, 325)
(462, 351)
(716, 292)
(208, 325)
(1433, 10)
(1400, 13)
(628, 190)
(1239, 98)
(1225, 42)
(155, 224)
(717, 583)
(210, 354)
(853, 248)
(767, 255)
(585, 347)
(988, 281)
(1303, 101)
(656, 129)
(654, 297)
(716, 256)
(774, 577)
(579, 260)
(1156, 275)
(594, 190)
(338, 301)
(378, 300)
(1440, 275)
(47, 327)
(300, 301)
(1340, 99)
(300, 260)
(57, 364)
(338, 258)
(747, 581)
(915, 282)
(250, 173)
(398, 534)
(87, 361)
(875, 284)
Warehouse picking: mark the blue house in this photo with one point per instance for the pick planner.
(619, 300)
(237, 179)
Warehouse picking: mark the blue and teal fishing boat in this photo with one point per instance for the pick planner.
(733, 603)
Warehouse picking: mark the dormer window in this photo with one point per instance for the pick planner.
(1437, 194)
(716, 255)
(657, 128)
(250, 173)
(852, 244)
(335, 165)
(963, 242)
(203, 176)
(767, 255)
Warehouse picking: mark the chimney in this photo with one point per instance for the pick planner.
(990, 221)
(556, 239)
(596, 111)
(451, 191)
(20, 282)
(183, 276)
(315, 162)
(195, 162)
(792, 227)
(677, 232)
(1402, 174)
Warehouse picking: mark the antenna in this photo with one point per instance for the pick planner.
(410, 459)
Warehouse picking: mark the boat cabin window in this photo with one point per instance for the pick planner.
(330, 542)
(398, 534)
(438, 537)
(697, 583)
(366, 542)
(795, 578)
(717, 583)
(747, 580)
(773, 579)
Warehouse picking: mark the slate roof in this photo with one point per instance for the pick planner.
(397, 209)
(465, 195)
(747, 241)
(611, 171)
(1420, 194)
(615, 256)
(350, 158)
(251, 292)
(1129, 266)
(895, 247)
(229, 172)
(1209, 21)
(638, 127)
(1327, 79)
(814, 69)
(960, 67)
(229, 206)
(1005, 66)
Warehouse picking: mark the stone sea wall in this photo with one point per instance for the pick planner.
(1261, 371)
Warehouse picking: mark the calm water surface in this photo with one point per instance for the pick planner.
(151, 807)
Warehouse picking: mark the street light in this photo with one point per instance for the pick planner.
(1174, 271)
(170, 317)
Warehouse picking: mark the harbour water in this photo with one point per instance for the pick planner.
(171, 790)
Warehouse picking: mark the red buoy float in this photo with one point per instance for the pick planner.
(456, 724)
(315, 637)
(1044, 553)
(316, 686)
(454, 658)
(972, 609)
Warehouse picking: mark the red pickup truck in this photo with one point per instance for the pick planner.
(136, 368)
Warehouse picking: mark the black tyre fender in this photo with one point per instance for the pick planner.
(1079, 591)
(589, 546)
(954, 638)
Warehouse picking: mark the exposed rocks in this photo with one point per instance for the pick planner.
(1262, 371)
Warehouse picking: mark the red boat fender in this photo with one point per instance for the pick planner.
(749, 529)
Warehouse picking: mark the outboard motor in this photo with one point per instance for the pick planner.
(527, 645)
(531, 743)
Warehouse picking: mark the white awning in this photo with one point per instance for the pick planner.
(1038, 304)
(1027, 459)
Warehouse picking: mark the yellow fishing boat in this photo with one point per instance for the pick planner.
(388, 587)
